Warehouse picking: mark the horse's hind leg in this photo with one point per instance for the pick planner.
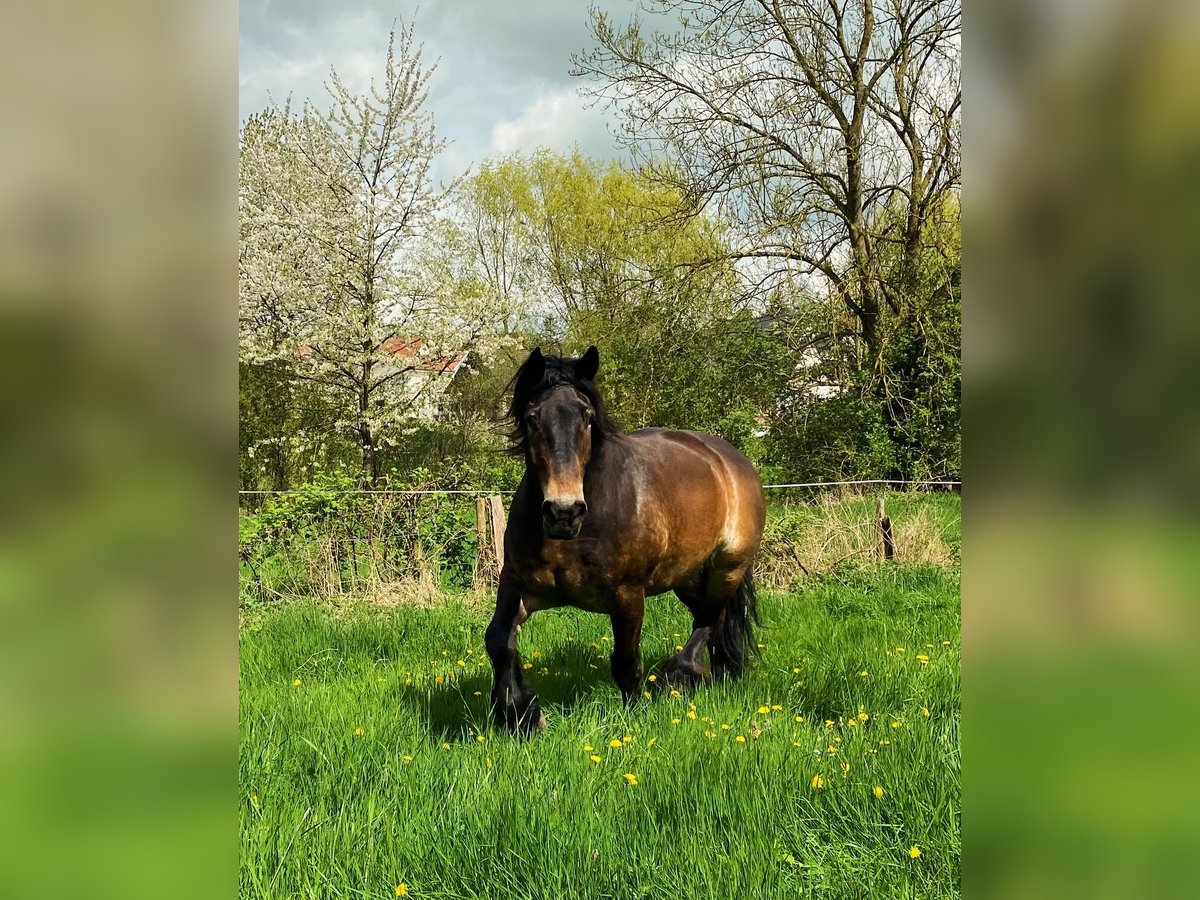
(731, 644)
(687, 668)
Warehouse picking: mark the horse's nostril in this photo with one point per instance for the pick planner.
(547, 508)
(579, 510)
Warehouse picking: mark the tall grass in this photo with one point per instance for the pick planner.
(380, 767)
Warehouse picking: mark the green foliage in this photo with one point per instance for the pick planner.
(842, 437)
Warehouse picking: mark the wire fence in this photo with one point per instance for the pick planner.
(425, 543)
(491, 491)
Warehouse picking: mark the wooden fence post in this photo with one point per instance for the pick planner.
(887, 547)
(489, 541)
(498, 525)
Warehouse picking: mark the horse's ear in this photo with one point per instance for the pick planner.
(531, 371)
(589, 364)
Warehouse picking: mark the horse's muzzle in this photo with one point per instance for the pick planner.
(562, 521)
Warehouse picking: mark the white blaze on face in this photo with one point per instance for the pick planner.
(563, 488)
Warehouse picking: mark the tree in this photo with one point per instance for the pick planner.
(600, 255)
(825, 131)
(338, 213)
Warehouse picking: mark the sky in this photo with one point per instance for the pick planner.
(502, 83)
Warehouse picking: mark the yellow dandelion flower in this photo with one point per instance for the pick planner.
(930, 646)
(925, 711)
(914, 851)
(899, 649)
(402, 890)
(652, 678)
(646, 694)
(795, 671)
(776, 707)
(707, 719)
(295, 682)
(829, 723)
(676, 721)
(885, 742)
(439, 680)
(691, 714)
(537, 654)
(846, 767)
(408, 681)
(527, 666)
(724, 726)
(359, 732)
(477, 694)
(817, 782)
(480, 738)
(489, 762)
(945, 643)
(679, 648)
(832, 749)
(922, 658)
(878, 792)
(615, 742)
(862, 716)
(864, 673)
(895, 724)
(460, 662)
(710, 734)
(741, 739)
(446, 746)
(763, 710)
(587, 748)
(594, 758)
(626, 739)
(851, 722)
(675, 693)
(650, 743)
(630, 778)
(406, 758)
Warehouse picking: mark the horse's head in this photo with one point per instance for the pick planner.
(558, 421)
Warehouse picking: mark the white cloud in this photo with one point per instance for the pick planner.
(558, 119)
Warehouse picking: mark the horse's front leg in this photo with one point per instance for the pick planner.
(514, 705)
(627, 613)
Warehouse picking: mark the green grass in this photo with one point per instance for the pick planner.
(326, 813)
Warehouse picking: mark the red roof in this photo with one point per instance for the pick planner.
(408, 348)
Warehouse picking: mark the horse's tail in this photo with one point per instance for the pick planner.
(734, 647)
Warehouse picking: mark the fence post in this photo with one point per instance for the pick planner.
(887, 547)
(496, 506)
(481, 545)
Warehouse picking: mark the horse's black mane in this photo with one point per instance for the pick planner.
(526, 387)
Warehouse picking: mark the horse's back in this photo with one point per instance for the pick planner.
(710, 492)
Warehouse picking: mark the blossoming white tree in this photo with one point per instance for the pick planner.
(338, 272)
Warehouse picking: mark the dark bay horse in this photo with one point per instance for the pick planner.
(603, 518)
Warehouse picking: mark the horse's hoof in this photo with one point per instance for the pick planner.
(679, 676)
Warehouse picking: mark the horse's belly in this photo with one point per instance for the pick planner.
(551, 586)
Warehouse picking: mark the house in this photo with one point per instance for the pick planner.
(421, 377)
(427, 376)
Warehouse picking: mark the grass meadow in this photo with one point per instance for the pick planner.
(369, 767)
